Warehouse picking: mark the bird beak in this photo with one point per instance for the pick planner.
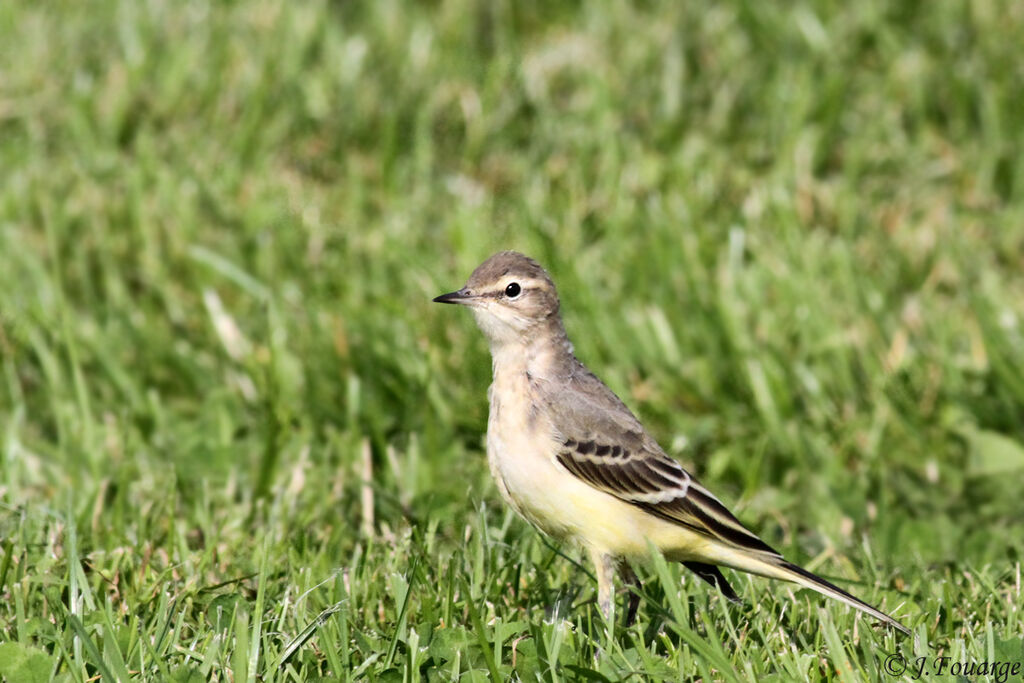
(459, 297)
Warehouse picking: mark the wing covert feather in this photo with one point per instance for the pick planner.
(604, 445)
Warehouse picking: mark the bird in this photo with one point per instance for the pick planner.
(569, 456)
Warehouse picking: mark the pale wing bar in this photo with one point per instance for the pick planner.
(659, 485)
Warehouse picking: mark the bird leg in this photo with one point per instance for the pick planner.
(632, 582)
(604, 567)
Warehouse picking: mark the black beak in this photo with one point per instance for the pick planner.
(459, 297)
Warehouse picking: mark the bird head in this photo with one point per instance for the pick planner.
(511, 296)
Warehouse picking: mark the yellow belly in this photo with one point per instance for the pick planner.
(521, 451)
(522, 445)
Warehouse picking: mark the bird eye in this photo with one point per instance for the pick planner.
(513, 290)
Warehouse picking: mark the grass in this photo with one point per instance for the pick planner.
(239, 443)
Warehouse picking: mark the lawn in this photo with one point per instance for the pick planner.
(238, 442)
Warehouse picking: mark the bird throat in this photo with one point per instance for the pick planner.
(547, 353)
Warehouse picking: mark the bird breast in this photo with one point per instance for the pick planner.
(521, 450)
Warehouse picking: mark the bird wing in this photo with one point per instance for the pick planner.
(604, 445)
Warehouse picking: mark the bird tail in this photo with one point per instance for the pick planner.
(776, 567)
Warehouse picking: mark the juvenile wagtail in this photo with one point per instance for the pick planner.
(573, 460)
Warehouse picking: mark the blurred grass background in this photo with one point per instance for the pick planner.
(790, 236)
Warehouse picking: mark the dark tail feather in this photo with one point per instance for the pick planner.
(822, 586)
(713, 575)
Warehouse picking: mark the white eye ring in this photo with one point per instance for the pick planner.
(513, 290)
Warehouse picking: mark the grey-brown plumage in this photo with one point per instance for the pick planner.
(572, 459)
